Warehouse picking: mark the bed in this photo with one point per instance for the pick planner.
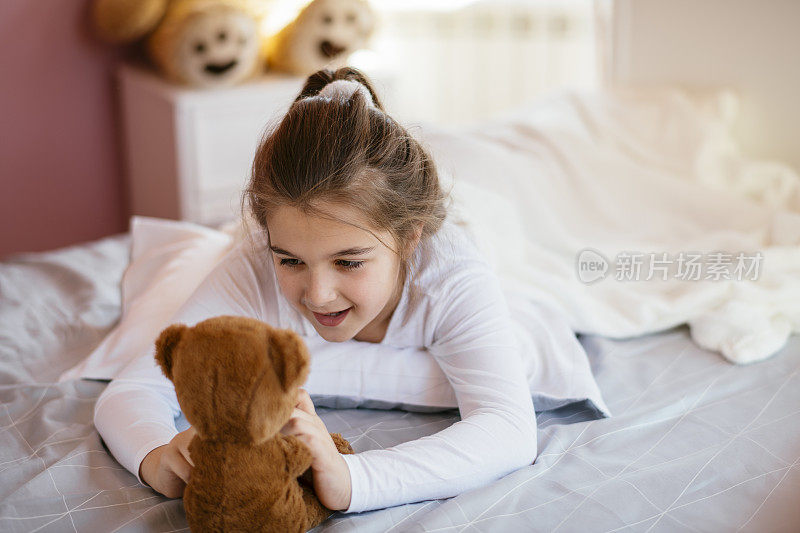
(695, 443)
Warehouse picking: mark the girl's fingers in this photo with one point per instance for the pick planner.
(180, 466)
(304, 401)
(297, 424)
(302, 424)
(309, 429)
(187, 456)
(186, 438)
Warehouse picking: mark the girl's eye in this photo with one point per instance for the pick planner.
(288, 262)
(350, 265)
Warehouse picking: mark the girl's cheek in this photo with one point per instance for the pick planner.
(287, 284)
(365, 288)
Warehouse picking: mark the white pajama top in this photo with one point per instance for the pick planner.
(461, 318)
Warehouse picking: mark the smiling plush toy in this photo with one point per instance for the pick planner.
(236, 380)
(204, 43)
(323, 35)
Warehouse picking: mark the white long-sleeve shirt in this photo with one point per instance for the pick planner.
(461, 318)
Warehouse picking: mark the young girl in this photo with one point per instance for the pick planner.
(354, 251)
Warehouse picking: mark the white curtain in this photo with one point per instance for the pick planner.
(461, 61)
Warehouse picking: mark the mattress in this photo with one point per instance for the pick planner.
(695, 443)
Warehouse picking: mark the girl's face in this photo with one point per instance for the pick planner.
(324, 266)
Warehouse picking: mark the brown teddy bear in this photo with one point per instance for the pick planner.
(236, 380)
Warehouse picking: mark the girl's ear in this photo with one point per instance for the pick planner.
(165, 346)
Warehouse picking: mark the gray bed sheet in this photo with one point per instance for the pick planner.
(696, 444)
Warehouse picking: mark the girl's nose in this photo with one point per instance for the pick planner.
(320, 291)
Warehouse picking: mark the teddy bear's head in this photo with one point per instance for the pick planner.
(323, 35)
(204, 43)
(236, 378)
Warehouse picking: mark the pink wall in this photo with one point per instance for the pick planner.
(60, 170)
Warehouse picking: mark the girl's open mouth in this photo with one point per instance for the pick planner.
(334, 319)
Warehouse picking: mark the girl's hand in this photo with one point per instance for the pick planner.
(330, 473)
(167, 468)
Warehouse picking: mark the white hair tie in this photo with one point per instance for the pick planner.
(347, 88)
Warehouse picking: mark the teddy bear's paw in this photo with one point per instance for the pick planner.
(341, 444)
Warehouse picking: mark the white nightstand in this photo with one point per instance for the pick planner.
(188, 151)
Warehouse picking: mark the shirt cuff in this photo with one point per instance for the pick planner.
(358, 501)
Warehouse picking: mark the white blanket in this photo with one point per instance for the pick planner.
(637, 173)
(601, 173)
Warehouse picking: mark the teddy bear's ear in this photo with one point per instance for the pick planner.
(165, 344)
(290, 358)
(124, 21)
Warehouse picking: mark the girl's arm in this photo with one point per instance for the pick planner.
(497, 434)
(136, 412)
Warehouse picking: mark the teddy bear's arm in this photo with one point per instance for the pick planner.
(298, 456)
(341, 443)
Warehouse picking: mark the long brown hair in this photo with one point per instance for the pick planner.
(342, 149)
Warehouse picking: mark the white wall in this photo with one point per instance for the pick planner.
(751, 45)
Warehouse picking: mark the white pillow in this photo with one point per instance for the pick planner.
(170, 259)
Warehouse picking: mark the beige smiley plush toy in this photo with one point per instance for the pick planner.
(323, 35)
(202, 43)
